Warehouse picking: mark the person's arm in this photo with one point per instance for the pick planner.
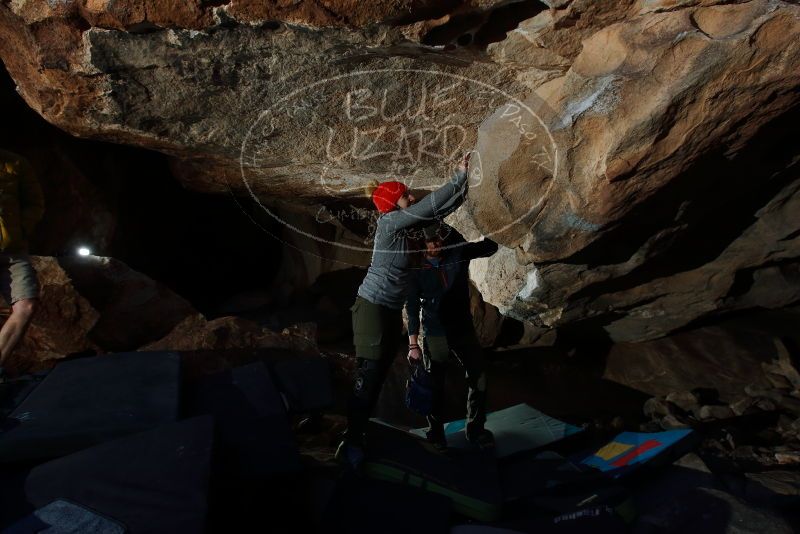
(412, 311)
(31, 199)
(438, 204)
(479, 249)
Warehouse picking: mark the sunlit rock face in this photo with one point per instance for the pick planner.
(637, 160)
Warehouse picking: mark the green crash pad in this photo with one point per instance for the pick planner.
(516, 429)
(468, 477)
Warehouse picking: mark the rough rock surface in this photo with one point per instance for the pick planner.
(198, 333)
(62, 324)
(637, 158)
(725, 356)
(94, 304)
(98, 304)
(133, 308)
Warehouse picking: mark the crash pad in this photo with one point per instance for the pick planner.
(547, 484)
(516, 429)
(630, 450)
(254, 435)
(481, 529)
(468, 477)
(91, 400)
(13, 392)
(306, 383)
(529, 476)
(155, 481)
(600, 519)
(64, 517)
(361, 505)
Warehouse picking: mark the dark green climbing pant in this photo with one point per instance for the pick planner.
(464, 346)
(376, 336)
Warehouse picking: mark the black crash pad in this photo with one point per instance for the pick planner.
(363, 506)
(596, 519)
(254, 436)
(155, 481)
(468, 477)
(539, 474)
(64, 517)
(91, 400)
(307, 383)
(13, 392)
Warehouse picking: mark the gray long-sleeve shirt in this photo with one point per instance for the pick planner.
(387, 277)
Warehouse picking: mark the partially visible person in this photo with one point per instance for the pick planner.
(21, 208)
(440, 288)
(377, 312)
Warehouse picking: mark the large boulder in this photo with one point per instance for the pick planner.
(133, 308)
(196, 333)
(61, 325)
(94, 304)
(635, 159)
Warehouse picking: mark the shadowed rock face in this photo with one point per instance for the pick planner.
(635, 159)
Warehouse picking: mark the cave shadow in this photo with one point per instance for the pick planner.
(564, 381)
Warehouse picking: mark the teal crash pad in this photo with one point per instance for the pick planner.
(516, 429)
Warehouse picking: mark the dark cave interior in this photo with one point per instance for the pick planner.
(126, 204)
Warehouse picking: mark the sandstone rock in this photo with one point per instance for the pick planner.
(755, 390)
(773, 487)
(682, 499)
(486, 318)
(722, 357)
(671, 422)
(777, 381)
(656, 407)
(197, 333)
(94, 304)
(740, 406)
(533, 335)
(789, 403)
(694, 462)
(660, 187)
(789, 458)
(715, 412)
(685, 400)
(134, 309)
(783, 365)
(61, 326)
(766, 405)
(796, 425)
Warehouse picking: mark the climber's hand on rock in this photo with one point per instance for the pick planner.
(463, 165)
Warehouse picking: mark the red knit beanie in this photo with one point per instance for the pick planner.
(386, 195)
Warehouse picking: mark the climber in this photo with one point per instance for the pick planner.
(21, 207)
(441, 287)
(377, 312)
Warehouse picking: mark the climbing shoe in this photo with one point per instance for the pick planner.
(435, 436)
(349, 455)
(479, 437)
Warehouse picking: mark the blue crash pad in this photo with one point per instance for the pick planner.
(516, 429)
(633, 449)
